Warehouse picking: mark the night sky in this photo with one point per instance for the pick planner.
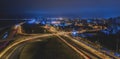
(82, 8)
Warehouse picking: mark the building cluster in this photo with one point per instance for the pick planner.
(111, 24)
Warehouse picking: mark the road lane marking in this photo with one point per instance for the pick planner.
(9, 47)
(79, 52)
(101, 55)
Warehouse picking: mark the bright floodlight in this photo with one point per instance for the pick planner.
(74, 32)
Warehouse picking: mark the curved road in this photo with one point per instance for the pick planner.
(50, 48)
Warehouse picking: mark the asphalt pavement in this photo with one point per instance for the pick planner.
(41, 48)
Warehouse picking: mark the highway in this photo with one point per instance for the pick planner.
(89, 51)
(92, 53)
(86, 54)
(79, 48)
(16, 51)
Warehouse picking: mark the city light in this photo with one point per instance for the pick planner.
(88, 21)
(60, 29)
(32, 21)
(74, 33)
(43, 22)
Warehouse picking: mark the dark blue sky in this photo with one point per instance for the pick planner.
(83, 8)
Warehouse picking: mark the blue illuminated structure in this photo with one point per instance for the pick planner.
(43, 22)
(117, 54)
(74, 33)
(88, 21)
(32, 21)
(5, 35)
